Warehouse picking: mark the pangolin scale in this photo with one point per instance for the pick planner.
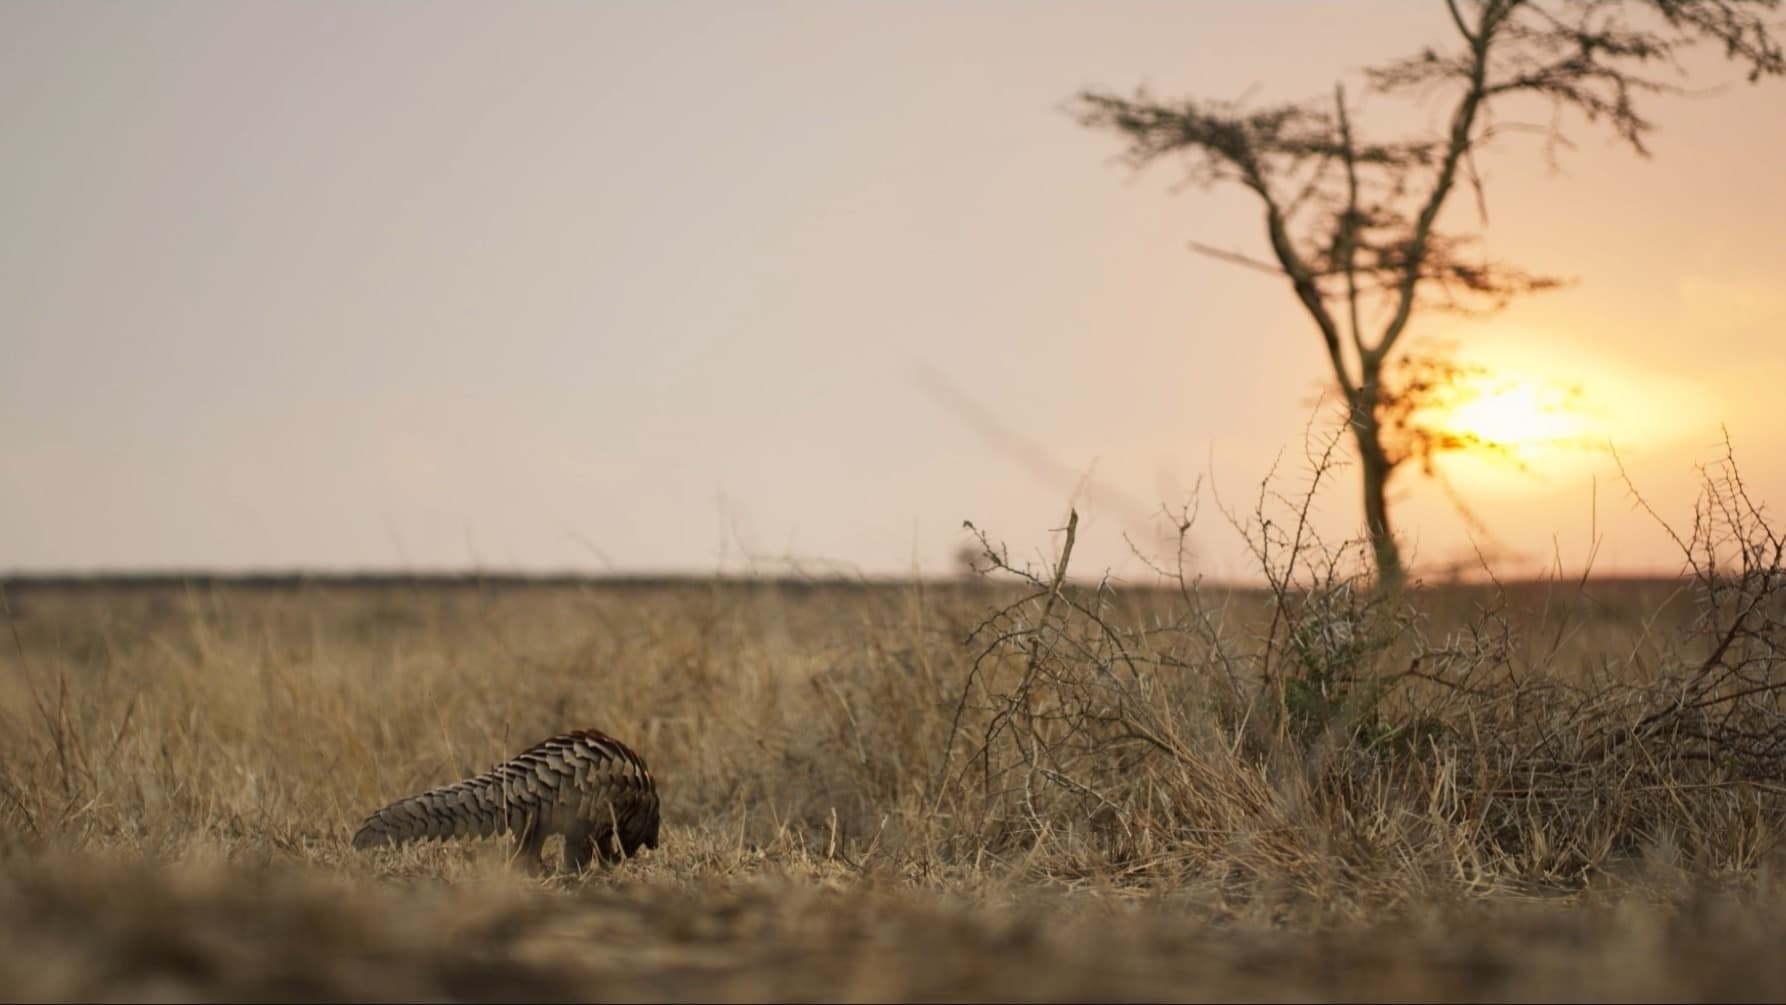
(583, 784)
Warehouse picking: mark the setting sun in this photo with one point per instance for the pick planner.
(1518, 416)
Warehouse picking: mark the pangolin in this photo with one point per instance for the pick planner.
(583, 784)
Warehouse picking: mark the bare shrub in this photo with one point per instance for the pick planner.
(1337, 736)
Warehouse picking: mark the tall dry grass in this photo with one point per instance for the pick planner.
(1028, 762)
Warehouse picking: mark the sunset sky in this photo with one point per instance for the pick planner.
(695, 287)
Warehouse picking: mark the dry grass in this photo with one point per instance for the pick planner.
(1034, 789)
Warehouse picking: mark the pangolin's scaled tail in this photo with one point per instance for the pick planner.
(472, 808)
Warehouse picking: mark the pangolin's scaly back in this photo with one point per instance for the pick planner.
(583, 784)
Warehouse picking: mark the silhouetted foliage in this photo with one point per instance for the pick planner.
(1353, 223)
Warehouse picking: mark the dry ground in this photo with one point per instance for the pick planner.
(897, 793)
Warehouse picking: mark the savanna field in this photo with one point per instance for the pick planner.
(1027, 784)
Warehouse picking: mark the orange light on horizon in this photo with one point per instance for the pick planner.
(1545, 398)
(1517, 416)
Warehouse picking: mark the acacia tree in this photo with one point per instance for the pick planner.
(1354, 224)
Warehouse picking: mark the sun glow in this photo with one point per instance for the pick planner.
(1518, 416)
(1535, 411)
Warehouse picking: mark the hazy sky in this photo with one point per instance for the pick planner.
(694, 286)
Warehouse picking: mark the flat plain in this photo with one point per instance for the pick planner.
(1004, 788)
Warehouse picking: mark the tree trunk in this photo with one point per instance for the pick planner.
(1390, 574)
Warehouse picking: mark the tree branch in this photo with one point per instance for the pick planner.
(1302, 280)
(1348, 228)
(1236, 258)
(1494, 13)
(1457, 18)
